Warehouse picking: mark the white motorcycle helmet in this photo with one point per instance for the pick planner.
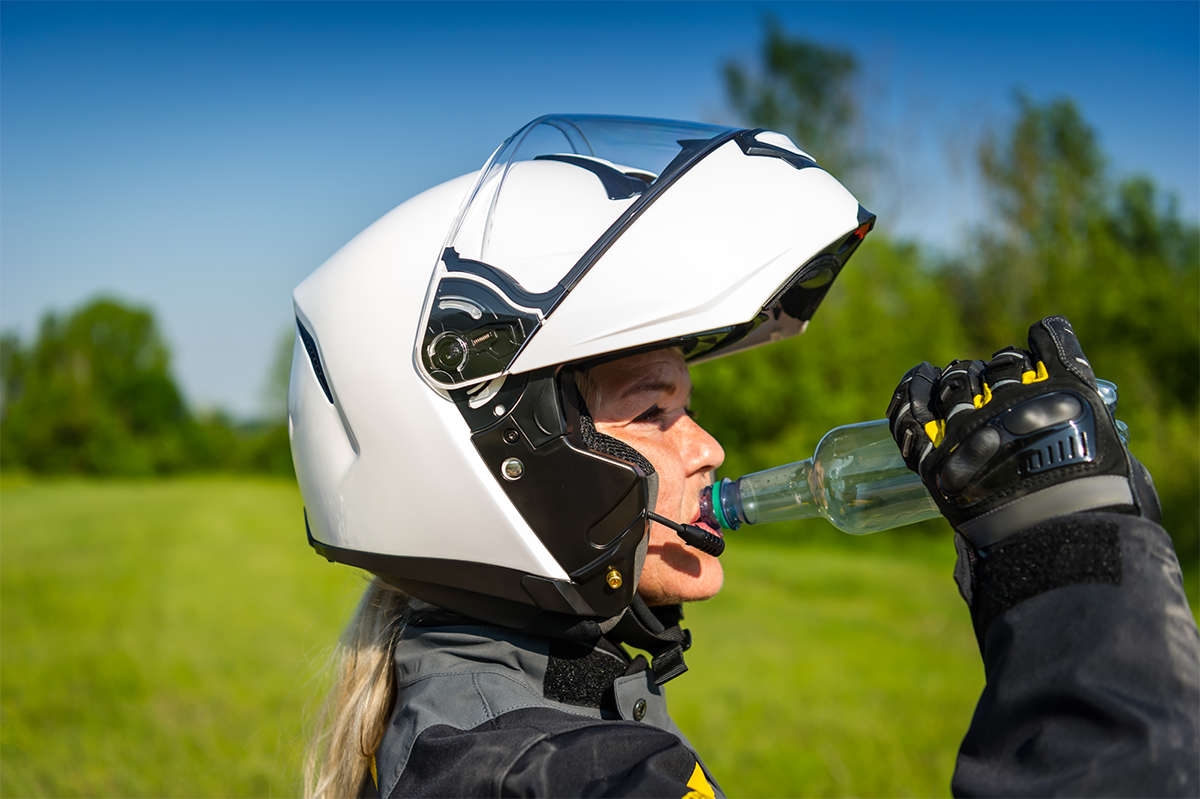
(437, 433)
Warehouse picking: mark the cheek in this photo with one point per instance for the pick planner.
(671, 478)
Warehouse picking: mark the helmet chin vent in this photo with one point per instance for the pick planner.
(314, 357)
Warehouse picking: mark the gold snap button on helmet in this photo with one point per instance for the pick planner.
(613, 578)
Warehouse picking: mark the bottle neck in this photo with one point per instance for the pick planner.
(784, 493)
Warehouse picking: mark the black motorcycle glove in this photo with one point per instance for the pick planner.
(1022, 438)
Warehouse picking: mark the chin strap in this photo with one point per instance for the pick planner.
(657, 631)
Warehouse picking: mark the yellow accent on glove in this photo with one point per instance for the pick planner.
(1035, 377)
(983, 399)
(936, 430)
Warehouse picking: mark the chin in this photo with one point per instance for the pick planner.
(689, 577)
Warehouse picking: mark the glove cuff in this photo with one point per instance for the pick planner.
(1088, 493)
(1069, 550)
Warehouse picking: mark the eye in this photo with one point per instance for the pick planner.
(653, 414)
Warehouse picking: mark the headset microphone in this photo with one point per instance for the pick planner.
(692, 535)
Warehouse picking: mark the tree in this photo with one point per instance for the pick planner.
(1045, 179)
(12, 370)
(266, 446)
(772, 405)
(805, 90)
(93, 394)
(1046, 175)
(1117, 260)
(1064, 239)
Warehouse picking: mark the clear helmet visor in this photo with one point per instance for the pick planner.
(553, 188)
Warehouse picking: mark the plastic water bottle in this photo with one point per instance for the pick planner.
(856, 480)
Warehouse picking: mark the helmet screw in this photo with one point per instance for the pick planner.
(512, 469)
(511, 436)
(499, 410)
(613, 578)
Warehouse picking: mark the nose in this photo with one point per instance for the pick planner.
(702, 452)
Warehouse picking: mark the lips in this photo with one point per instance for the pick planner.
(705, 526)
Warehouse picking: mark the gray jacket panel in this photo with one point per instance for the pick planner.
(467, 677)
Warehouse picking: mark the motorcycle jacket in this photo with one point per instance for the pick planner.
(1093, 688)
(485, 710)
(1092, 658)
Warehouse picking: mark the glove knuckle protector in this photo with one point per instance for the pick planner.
(1026, 438)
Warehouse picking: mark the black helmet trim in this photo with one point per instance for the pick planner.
(583, 494)
(314, 357)
(751, 146)
(505, 596)
(510, 288)
(475, 329)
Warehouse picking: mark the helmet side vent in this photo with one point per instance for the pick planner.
(314, 357)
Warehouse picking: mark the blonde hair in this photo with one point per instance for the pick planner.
(355, 714)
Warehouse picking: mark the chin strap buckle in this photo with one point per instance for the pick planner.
(658, 632)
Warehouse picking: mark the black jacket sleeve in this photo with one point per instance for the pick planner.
(1092, 659)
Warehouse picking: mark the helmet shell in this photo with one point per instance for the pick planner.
(436, 348)
(385, 465)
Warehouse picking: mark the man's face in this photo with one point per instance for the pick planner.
(642, 400)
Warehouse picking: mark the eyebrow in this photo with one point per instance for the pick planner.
(650, 383)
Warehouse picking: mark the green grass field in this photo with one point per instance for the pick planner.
(170, 639)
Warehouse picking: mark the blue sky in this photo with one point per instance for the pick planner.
(202, 158)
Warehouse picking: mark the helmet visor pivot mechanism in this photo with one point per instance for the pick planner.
(456, 325)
